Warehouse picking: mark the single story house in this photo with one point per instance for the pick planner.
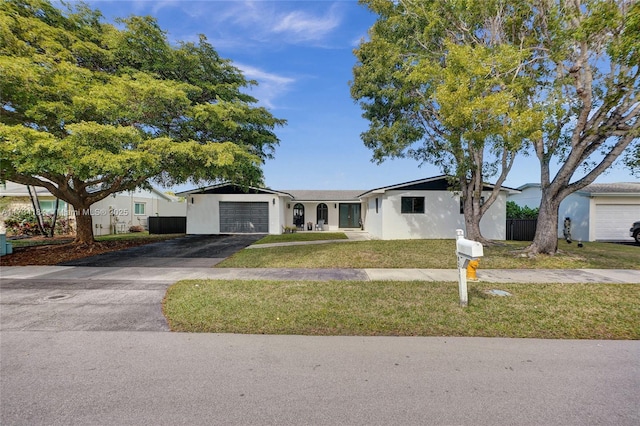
(419, 209)
(114, 214)
(598, 212)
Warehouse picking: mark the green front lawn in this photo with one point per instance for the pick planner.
(557, 311)
(433, 254)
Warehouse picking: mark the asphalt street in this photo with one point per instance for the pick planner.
(88, 345)
(155, 378)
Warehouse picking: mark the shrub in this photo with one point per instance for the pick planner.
(136, 228)
(515, 211)
(23, 223)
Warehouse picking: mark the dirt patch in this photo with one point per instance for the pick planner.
(63, 250)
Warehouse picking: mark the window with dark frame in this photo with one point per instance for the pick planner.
(412, 205)
(322, 213)
(376, 205)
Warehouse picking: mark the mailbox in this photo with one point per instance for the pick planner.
(469, 249)
(466, 251)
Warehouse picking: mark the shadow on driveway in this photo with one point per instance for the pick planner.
(190, 251)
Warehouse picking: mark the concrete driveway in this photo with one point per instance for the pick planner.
(185, 252)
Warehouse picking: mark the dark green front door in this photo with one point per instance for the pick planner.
(349, 215)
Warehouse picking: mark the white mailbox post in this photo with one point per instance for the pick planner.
(466, 250)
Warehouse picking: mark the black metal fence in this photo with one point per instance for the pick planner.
(521, 229)
(167, 225)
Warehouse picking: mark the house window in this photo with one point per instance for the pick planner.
(412, 205)
(49, 206)
(376, 205)
(322, 213)
(139, 208)
(462, 204)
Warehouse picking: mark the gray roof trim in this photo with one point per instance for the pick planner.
(221, 185)
(383, 189)
(322, 195)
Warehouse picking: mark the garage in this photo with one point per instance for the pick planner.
(244, 217)
(614, 220)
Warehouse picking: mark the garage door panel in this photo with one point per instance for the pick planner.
(612, 221)
(244, 217)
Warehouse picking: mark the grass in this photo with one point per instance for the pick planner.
(303, 236)
(433, 254)
(557, 311)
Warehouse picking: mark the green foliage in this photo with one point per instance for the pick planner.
(89, 109)
(514, 211)
(436, 89)
(23, 222)
(441, 82)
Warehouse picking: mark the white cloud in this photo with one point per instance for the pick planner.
(270, 86)
(303, 26)
(269, 21)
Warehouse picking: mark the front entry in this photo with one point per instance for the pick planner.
(298, 215)
(349, 215)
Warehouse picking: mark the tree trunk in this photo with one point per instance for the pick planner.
(36, 209)
(472, 225)
(84, 226)
(55, 218)
(546, 238)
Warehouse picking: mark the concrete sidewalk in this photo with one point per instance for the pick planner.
(611, 276)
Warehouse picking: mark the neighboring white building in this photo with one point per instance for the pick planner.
(598, 212)
(419, 209)
(114, 214)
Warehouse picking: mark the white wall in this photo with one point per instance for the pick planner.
(203, 214)
(441, 218)
(119, 212)
(575, 206)
(373, 219)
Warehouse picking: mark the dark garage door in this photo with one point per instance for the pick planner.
(240, 217)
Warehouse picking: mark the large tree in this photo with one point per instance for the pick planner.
(574, 74)
(89, 109)
(440, 82)
(586, 66)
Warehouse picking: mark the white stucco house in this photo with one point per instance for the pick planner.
(114, 214)
(598, 212)
(419, 209)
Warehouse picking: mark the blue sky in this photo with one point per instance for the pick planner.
(301, 54)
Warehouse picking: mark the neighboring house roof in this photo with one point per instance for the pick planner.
(619, 188)
(436, 183)
(601, 189)
(14, 189)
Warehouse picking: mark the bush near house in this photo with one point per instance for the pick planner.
(515, 211)
(136, 228)
(24, 223)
